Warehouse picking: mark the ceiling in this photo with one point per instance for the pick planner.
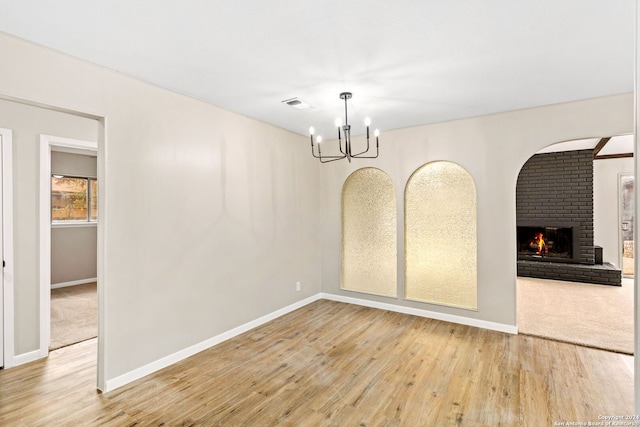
(407, 62)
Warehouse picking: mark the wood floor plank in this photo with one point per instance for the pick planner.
(335, 364)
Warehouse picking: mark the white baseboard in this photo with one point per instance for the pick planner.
(23, 358)
(149, 368)
(500, 327)
(73, 283)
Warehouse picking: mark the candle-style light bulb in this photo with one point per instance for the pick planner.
(338, 122)
(376, 133)
(367, 121)
(311, 130)
(319, 139)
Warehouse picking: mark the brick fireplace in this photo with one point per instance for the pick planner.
(554, 215)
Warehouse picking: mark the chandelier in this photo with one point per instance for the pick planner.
(345, 148)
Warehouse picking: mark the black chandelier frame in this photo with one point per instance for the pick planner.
(345, 149)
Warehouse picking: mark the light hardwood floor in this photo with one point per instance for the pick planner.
(336, 364)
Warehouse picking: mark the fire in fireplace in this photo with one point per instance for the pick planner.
(539, 242)
(546, 243)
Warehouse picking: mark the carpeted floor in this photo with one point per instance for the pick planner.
(74, 315)
(592, 315)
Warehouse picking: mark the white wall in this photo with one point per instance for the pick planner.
(492, 149)
(73, 254)
(27, 124)
(606, 206)
(208, 217)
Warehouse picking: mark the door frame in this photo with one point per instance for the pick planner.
(6, 285)
(101, 120)
(50, 143)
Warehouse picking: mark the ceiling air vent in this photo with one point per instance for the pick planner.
(297, 104)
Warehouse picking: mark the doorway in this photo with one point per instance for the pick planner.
(575, 307)
(48, 145)
(74, 221)
(627, 185)
(28, 121)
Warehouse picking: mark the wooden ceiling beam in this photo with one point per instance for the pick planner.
(600, 146)
(613, 156)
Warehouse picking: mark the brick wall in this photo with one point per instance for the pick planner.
(556, 188)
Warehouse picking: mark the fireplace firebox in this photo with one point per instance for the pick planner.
(554, 243)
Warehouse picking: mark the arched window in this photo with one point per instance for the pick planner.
(440, 236)
(369, 230)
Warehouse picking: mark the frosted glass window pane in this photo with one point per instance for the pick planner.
(369, 230)
(440, 236)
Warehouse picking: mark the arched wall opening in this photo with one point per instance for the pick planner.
(570, 241)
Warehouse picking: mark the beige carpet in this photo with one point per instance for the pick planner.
(74, 315)
(593, 315)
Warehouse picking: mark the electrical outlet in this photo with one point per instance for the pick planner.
(298, 286)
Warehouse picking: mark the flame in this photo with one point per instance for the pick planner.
(542, 245)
